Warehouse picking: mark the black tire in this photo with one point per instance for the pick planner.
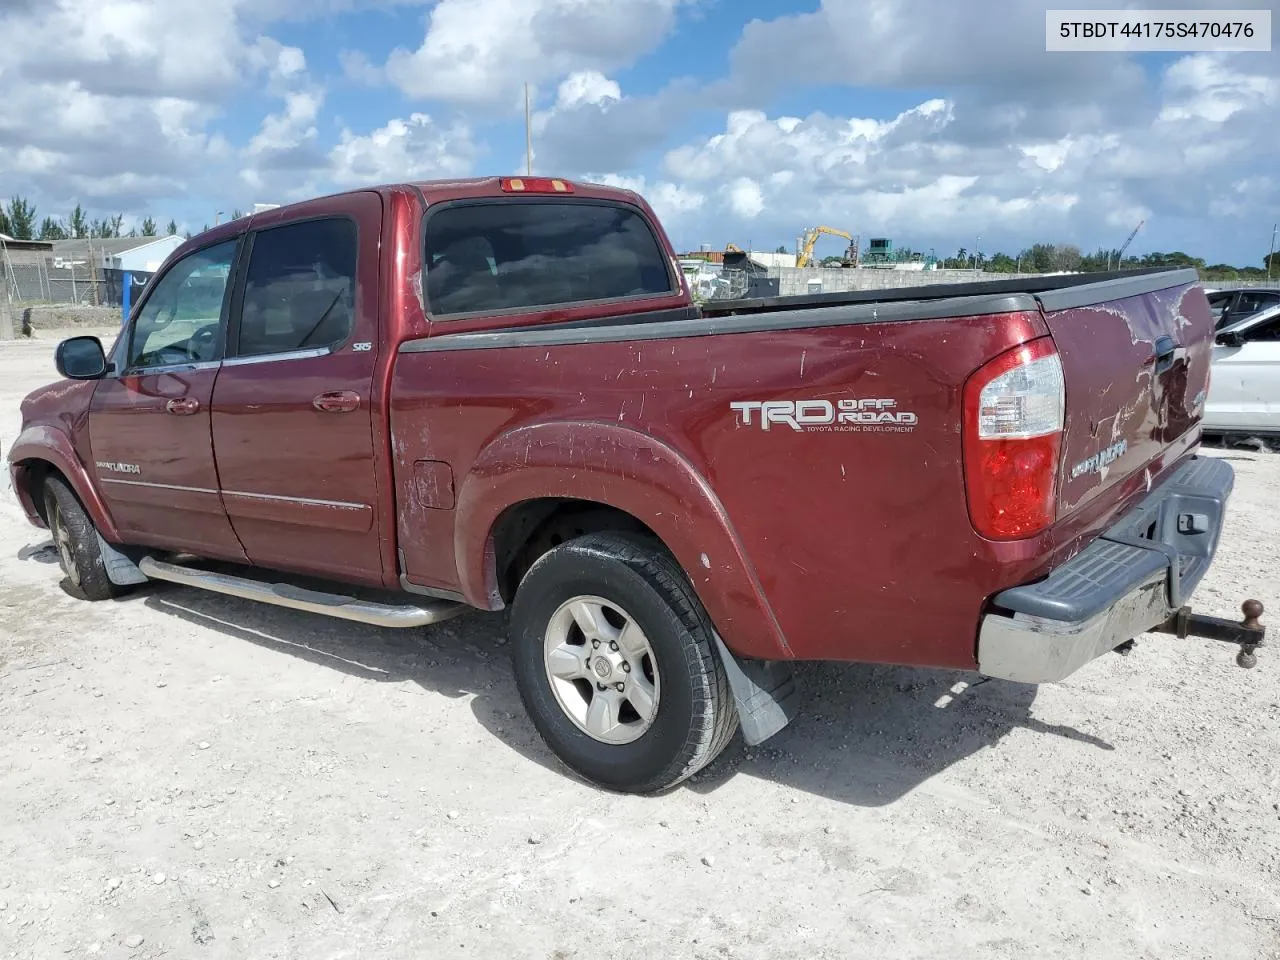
(695, 717)
(76, 540)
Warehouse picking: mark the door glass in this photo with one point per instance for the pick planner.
(1218, 306)
(1251, 302)
(181, 320)
(300, 288)
(1266, 332)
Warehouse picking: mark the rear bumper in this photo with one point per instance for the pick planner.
(1124, 583)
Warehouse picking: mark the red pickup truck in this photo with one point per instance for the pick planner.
(498, 392)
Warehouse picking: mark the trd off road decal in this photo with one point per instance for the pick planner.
(843, 416)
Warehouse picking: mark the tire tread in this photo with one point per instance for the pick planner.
(715, 716)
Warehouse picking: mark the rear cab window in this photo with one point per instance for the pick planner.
(517, 255)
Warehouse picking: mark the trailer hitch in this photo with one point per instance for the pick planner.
(1248, 633)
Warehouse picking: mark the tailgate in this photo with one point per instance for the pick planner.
(1135, 357)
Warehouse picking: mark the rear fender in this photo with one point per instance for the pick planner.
(44, 443)
(628, 471)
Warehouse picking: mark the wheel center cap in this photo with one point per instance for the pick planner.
(602, 668)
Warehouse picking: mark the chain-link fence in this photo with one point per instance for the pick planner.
(41, 282)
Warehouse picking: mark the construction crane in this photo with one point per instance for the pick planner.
(1120, 258)
(804, 256)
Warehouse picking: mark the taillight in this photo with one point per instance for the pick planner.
(535, 185)
(1014, 412)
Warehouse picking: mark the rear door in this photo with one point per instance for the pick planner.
(1249, 302)
(1135, 357)
(1245, 392)
(149, 425)
(293, 406)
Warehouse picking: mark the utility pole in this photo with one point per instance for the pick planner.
(1272, 255)
(528, 135)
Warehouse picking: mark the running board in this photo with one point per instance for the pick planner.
(296, 598)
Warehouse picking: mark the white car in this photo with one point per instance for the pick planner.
(1244, 392)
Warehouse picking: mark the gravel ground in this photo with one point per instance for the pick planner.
(187, 775)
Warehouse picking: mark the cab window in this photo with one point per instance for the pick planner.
(485, 257)
(300, 287)
(181, 320)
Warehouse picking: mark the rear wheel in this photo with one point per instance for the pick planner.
(615, 662)
(76, 539)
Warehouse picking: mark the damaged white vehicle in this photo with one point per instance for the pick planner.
(1244, 392)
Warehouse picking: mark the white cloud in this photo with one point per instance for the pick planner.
(745, 198)
(674, 205)
(480, 52)
(949, 169)
(416, 148)
(1208, 87)
(115, 97)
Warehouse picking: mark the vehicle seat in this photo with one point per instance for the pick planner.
(462, 280)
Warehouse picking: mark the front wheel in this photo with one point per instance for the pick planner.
(615, 661)
(76, 539)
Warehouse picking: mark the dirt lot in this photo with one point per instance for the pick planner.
(184, 775)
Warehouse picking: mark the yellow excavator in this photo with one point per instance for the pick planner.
(732, 248)
(810, 237)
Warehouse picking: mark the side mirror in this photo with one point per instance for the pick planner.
(1230, 339)
(81, 358)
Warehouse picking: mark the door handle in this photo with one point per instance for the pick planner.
(337, 401)
(183, 407)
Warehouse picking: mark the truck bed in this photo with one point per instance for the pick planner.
(859, 538)
(931, 293)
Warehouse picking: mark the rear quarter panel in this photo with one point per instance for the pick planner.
(859, 539)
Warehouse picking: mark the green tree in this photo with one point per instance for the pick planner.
(5, 228)
(173, 229)
(781, 249)
(22, 219)
(237, 214)
(51, 229)
(148, 227)
(78, 224)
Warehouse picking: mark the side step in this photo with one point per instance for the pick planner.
(296, 598)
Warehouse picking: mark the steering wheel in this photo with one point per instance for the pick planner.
(199, 347)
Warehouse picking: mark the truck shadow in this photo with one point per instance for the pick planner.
(865, 735)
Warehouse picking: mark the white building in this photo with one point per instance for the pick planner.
(147, 256)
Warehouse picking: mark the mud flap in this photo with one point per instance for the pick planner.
(764, 692)
(121, 571)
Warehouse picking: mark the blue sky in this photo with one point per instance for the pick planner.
(932, 122)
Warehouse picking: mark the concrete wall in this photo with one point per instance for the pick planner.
(1240, 284)
(795, 282)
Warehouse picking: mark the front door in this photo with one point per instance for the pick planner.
(1244, 393)
(149, 423)
(292, 409)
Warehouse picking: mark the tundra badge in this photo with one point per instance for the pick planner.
(110, 467)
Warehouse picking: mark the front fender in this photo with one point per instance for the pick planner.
(629, 471)
(42, 442)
